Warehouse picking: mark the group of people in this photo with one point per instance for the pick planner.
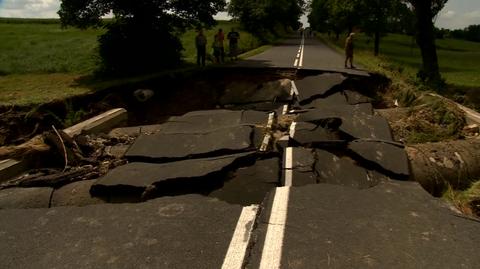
(217, 45)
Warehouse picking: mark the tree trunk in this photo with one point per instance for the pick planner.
(377, 43)
(426, 41)
(436, 166)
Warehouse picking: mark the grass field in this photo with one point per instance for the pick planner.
(40, 61)
(459, 60)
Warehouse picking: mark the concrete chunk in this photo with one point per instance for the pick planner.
(99, 124)
(390, 158)
(177, 146)
(11, 168)
(137, 176)
(19, 198)
(312, 87)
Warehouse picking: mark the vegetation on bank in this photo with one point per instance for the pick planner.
(41, 62)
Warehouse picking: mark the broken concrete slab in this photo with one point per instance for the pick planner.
(246, 92)
(126, 131)
(393, 225)
(335, 99)
(355, 98)
(145, 235)
(207, 121)
(19, 198)
(312, 87)
(117, 151)
(165, 147)
(134, 178)
(367, 127)
(99, 124)
(389, 158)
(75, 194)
(341, 171)
(11, 168)
(309, 134)
(249, 185)
(357, 124)
(335, 111)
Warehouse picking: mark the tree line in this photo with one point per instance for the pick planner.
(470, 33)
(143, 35)
(377, 17)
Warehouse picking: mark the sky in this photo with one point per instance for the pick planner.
(456, 14)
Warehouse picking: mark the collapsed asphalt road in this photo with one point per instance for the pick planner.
(320, 183)
(206, 196)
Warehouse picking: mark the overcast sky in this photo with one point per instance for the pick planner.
(456, 14)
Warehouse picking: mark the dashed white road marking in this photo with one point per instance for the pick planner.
(285, 110)
(271, 118)
(295, 89)
(272, 249)
(299, 58)
(288, 167)
(265, 143)
(237, 250)
(292, 129)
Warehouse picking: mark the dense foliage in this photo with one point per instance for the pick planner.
(266, 17)
(376, 17)
(144, 34)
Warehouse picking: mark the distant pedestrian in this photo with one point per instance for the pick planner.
(233, 38)
(201, 45)
(218, 48)
(349, 50)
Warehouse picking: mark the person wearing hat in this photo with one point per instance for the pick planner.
(349, 50)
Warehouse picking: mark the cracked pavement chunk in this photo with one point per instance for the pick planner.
(342, 171)
(393, 225)
(246, 92)
(312, 134)
(75, 194)
(249, 185)
(145, 235)
(355, 98)
(136, 177)
(161, 146)
(25, 198)
(391, 158)
(207, 121)
(336, 99)
(317, 86)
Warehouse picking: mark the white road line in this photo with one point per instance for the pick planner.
(299, 59)
(300, 63)
(292, 129)
(288, 167)
(289, 158)
(294, 88)
(271, 117)
(296, 62)
(285, 110)
(265, 143)
(272, 249)
(241, 237)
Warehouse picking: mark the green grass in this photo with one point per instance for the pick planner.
(41, 62)
(463, 199)
(459, 60)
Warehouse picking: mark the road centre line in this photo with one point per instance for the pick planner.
(288, 167)
(294, 88)
(292, 129)
(237, 250)
(299, 59)
(272, 248)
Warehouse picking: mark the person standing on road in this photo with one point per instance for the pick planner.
(201, 45)
(218, 48)
(233, 38)
(349, 50)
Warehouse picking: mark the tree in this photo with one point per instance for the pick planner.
(143, 35)
(263, 17)
(425, 12)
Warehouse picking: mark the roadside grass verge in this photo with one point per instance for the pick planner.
(468, 201)
(41, 62)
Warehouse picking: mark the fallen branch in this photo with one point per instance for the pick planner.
(62, 143)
